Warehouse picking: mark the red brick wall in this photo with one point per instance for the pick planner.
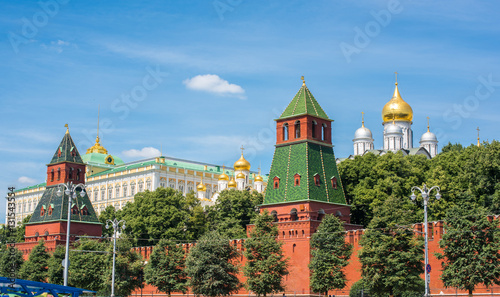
(305, 129)
(65, 168)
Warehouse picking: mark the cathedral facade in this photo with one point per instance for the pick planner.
(397, 120)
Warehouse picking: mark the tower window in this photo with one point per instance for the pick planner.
(297, 129)
(296, 179)
(323, 132)
(274, 213)
(285, 131)
(58, 173)
(313, 129)
(317, 181)
(334, 183)
(293, 214)
(78, 171)
(70, 173)
(52, 175)
(276, 181)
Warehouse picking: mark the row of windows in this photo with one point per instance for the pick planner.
(119, 191)
(297, 130)
(77, 174)
(317, 181)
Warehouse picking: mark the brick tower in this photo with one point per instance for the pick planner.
(304, 183)
(49, 220)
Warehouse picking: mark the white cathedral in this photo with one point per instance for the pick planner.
(397, 117)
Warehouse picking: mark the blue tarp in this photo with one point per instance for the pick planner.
(25, 288)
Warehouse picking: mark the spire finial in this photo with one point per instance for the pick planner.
(98, 113)
(303, 81)
(396, 78)
(242, 149)
(478, 143)
(362, 119)
(67, 128)
(161, 149)
(428, 125)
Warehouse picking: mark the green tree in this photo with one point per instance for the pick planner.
(11, 261)
(266, 264)
(163, 213)
(391, 257)
(330, 255)
(21, 230)
(470, 245)
(165, 268)
(88, 265)
(210, 266)
(35, 269)
(234, 206)
(109, 213)
(55, 268)
(128, 271)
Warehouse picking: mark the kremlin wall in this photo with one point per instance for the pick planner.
(303, 186)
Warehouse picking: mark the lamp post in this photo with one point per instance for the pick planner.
(425, 195)
(115, 224)
(70, 191)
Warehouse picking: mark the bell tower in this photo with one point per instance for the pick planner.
(304, 183)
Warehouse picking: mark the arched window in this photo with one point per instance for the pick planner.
(323, 132)
(296, 179)
(334, 183)
(59, 173)
(297, 129)
(96, 194)
(293, 214)
(52, 175)
(141, 186)
(78, 171)
(148, 185)
(274, 213)
(181, 188)
(70, 174)
(317, 181)
(110, 192)
(117, 190)
(276, 181)
(103, 193)
(125, 189)
(285, 131)
(321, 214)
(132, 189)
(313, 128)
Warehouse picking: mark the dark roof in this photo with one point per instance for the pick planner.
(66, 151)
(60, 208)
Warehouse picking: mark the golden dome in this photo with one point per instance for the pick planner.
(397, 109)
(97, 148)
(232, 183)
(201, 187)
(258, 178)
(223, 176)
(240, 175)
(242, 164)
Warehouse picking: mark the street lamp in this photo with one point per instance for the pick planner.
(115, 224)
(71, 193)
(425, 195)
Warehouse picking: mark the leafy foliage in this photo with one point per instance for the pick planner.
(233, 211)
(471, 243)
(266, 264)
(35, 269)
(55, 268)
(330, 254)
(109, 213)
(391, 257)
(165, 268)
(87, 268)
(128, 271)
(11, 261)
(210, 267)
(164, 213)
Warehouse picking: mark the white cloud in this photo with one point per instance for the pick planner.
(212, 83)
(26, 180)
(58, 46)
(146, 152)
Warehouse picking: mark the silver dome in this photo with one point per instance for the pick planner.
(393, 129)
(428, 136)
(363, 133)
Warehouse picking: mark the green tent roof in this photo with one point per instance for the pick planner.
(66, 151)
(304, 103)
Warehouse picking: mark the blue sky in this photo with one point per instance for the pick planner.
(202, 78)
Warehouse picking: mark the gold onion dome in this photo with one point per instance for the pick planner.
(240, 175)
(242, 164)
(397, 109)
(97, 148)
(201, 187)
(232, 183)
(259, 178)
(223, 176)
